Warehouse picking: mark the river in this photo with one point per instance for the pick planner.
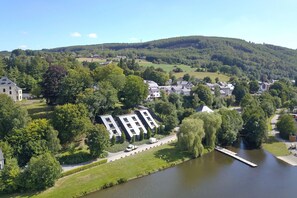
(214, 175)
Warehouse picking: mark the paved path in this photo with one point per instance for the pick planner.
(115, 156)
(290, 159)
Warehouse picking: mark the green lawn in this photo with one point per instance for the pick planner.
(38, 109)
(201, 75)
(275, 147)
(109, 174)
(165, 67)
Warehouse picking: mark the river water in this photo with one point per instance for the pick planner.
(214, 175)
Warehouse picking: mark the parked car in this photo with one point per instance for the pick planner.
(131, 147)
(153, 140)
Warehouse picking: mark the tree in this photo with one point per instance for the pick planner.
(9, 176)
(186, 77)
(51, 83)
(149, 133)
(254, 87)
(254, 125)
(211, 124)
(134, 91)
(97, 140)
(71, 120)
(204, 94)
(132, 139)
(141, 135)
(207, 79)
(286, 126)
(102, 73)
(157, 75)
(113, 140)
(123, 137)
(76, 81)
(240, 90)
(230, 127)
(42, 172)
(170, 121)
(12, 116)
(190, 136)
(99, 101)
(7, 150)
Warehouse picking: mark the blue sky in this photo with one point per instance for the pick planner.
(37, 24)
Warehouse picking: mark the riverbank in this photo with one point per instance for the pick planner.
(116, 172)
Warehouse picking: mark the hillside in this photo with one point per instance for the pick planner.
(226, 55)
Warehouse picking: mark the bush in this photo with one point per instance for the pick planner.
(84, 167)
(122, 180)
(75, 158)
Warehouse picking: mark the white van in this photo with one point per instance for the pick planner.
(153, 140)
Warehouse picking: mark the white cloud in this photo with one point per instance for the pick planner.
(75, 34)
(134, 40)
(23, 47)
(92, 35)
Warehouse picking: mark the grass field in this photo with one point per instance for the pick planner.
(165, 67)
(106, 175)
(37, 109)
(275, 147)
(201, 75)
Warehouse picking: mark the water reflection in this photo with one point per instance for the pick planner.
(214, 175)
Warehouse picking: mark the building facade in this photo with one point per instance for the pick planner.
(111, 126)
(131, 125)
(11, 89)
(1, 160)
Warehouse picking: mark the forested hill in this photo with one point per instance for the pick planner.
(213, 53)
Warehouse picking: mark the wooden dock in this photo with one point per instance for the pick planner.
(232, 154)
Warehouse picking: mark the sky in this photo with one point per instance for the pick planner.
(39, 24)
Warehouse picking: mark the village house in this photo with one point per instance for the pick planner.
(225, 88)
(10, 88)
(131, 125)
(1, 160)
(153, 89)
(111, 126)
(264, 86)
(204, 108)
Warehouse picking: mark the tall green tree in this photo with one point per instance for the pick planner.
(286, 126)
(51, 83)
(42, 172)
(253, 87)
(134, 91)
(72, 121)
(12, 116)
(190, 136)
(211, 124)
(204, 94)
(97, 140)
(230, 127)
(9, 176)
(240, 90)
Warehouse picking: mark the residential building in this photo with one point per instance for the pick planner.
(11, 89)
(111, 126)
(154, 91)
(204, 108)
(264, 86)
(131, 125)
(225, 88)
(1, 160)
(146, 118)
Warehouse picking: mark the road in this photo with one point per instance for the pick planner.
(115, 156)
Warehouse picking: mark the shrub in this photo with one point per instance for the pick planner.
(75, 158)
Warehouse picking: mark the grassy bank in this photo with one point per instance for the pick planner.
(38, 109)
(275, 147)
(119, 171)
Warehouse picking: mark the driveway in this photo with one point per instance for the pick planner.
(119, 155)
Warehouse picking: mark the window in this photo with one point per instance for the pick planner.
(132, 131)
(129, 125)
(108, 120)
(152, 123)
(126, 120)
(3, 90)
(137, 123)
(134, 118)
(145, 113)
(111, 125)
(149, 119)
(9, 88)
(114, 132)
(10, 92)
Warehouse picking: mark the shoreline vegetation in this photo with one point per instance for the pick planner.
(109, 174)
